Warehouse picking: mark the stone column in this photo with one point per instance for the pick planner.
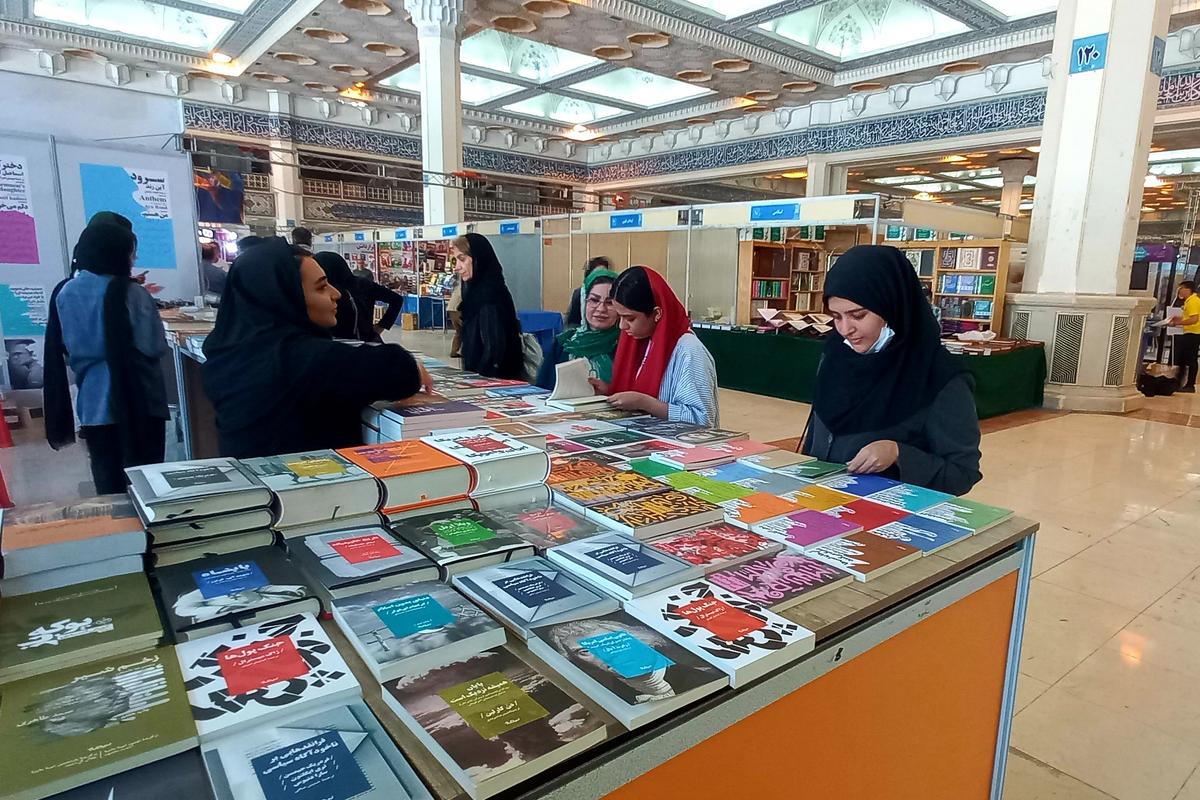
(439, 25)
(825, 179)
(285, 172)
(1095, 145)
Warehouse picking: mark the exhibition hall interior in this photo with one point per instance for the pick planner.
(582, 399)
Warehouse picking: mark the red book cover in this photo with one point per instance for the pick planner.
(720, 619)
(251, 667)
(868, 514)
(715, 546)
(360, 549)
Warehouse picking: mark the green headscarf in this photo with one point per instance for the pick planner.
(596, 346)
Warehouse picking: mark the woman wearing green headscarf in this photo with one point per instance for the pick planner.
(595, 339)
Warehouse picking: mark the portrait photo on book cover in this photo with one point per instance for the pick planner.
(92, 702)
(194, 607)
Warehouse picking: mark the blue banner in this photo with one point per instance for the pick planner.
(775, 211)
(401, 234)
(630, 220)
(449, 230)
(507, 228)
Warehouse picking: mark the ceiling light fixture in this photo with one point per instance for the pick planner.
(1037, 148)
(1152, 182)
(511, 24)
(801, 87)
(1011, 151)
(802, 173)
(220, 57)
(693, 76)
(954, 159)
(923, 196)
(652, 40)
(551, 9)
(731, 65)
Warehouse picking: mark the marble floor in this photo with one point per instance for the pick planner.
(1107, 702)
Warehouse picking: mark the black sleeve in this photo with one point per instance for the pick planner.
(547, 374)
(395, 303)
(361, 374)
(575, 313)
(495, 336)
(950, 460)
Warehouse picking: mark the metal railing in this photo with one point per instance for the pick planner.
(256, 182)
(408, 198)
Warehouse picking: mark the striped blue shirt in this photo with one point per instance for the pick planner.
(689, 386)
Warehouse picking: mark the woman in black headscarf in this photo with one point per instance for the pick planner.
(356, 306)
(889, 398)
(491, 336)
(108, 329)
(277, 379)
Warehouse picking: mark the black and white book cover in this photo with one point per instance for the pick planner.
(264, 673)
(336, 754)
(182, 777)
(183, 486)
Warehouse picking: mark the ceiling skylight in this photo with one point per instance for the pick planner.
(641, 88)
(138, 19)
(1019, 9)
(237, 6)
(475, 90)
(523, 58)
(727, 8)
(849, 29)
(557, 108)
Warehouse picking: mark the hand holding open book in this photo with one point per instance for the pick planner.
(575, 387)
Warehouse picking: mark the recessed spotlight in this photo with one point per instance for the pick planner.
(954, 159)
(1037, 148)
(731, 65)
(320, 87)
(649, 39)
(905, 169)
(960, 67)
(866, 86)
(698, 121)
(1011, 151)
(385, 49)
(296, 58)
(350, 69)
(373, 8)
(326, 35)
(1158, 148)
(693, 76)
(801, 87)
(269, 77)
(801, 173)
(551, 9)
(612, 52)
(762, 95)
(220, 57)
(512, 24)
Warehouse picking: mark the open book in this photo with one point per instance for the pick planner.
(571, 387)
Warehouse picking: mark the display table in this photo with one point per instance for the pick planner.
(909, 694)
(786, 366)
(545, 325)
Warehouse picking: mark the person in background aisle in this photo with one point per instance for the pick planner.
(574, 313)
(452, 304)
(356, 306)
(364, 274)
(491, 332)
(211, 276)
(595, 340)
(1188, 343)
(889, 398)
(107, 328)
(660, 368)
(277, 379)
(302, 238)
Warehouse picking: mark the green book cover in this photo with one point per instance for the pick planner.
(649, 468)
(57, 623)
(71, 726)
(964, 513)
(987, 284)
(812, 470)
(705, 488)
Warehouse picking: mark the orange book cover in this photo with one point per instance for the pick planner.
(56, 523)
(758, 507)
(393, 459)
(821, 498)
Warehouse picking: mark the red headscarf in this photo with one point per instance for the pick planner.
(630, 371)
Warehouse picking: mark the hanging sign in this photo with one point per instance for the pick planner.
(360, 236)
(1089, 53)
(768, 212)
(449, 230)
(401, 234)
(509, 228)
(1158, 54)
(631, 220)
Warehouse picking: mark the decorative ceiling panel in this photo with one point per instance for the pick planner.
(850, 29)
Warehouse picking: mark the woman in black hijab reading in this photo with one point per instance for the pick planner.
(278, 380)
(491, 336)
(889, 398)
(356, 306)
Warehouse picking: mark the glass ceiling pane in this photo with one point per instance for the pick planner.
(986, 172)
(525, 58)
(727, 8)
(139, 19)
(849, 29)
(475, 90)
(642, 88)
(938, 187)
(1018, 9)
(898, 180)
(563, 109)
(238, 6)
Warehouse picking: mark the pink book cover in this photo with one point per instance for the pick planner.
(725, 451)
(807, 528)
(781, 579)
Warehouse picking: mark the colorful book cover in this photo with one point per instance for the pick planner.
(390, 459)
(570, 469)
(452, 536)
(281, 473)
(61, 523)
(805, 529)
(863, 554)
(345, 557)
(611, 488)
(866, 514)
(784, 486)
(781, 580)
(649, 468)
(557, 446)
(713, 491)
(545, 525)
(987, 283)
(813, 470)
(910, 498)
(774, 460)
(968, 514)
(622, 560)
(621, 436)
(245, 676)
(927, 535)
(655, 509)
(479, 445)
(756, 508)
(859, 485)
(645, 449)
(568, 426)
(72, 726)
(731, 472)
(713, 547)
(820, 498)
(424, 404)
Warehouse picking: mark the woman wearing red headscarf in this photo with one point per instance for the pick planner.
(660, 368)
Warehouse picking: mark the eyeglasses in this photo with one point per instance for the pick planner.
(593, 300)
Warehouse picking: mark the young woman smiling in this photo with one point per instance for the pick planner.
(889, 398)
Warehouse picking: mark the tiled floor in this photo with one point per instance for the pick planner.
(1108, 705)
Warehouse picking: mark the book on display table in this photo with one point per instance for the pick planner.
(572, 391)
(180, 552)
(521, 432)
(751, 511)
(656, 514)
(927, 535)
(685, 433)
(775, 460)
(805, 529)
(968, 514)
(49, 536)
(424, 413)
(317, 486)
(498, 462)
(567, 426)
(643, 449)
(610, 439)
(711, 455)
(412, 473)
(717, 546)
(578, 467)
(190, 530)
(544, 523)
(780, 581)
(866, 514)
(622, 566)
(610, 487)
(864, 555)
(179, 776)
(188, 489)
(812, 470)
(462, 540)
(345, 562)
(63, 577)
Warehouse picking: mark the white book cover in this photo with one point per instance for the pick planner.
(571, 380)
(741, 638)
(476, 446)
(181, 480)
(264, 673)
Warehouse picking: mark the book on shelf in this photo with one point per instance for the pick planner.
(907, 497)
(462, 540)
(611, 487)
(987, 284)
(179, 552)
(970, 258)
(751, 511)
(707, 489)
(864, 555)
(566, 469)
(69, 576)
(413, 473)
(408, 629)
(812, 470)
(963, 513)
(739, 637)
(626, 667)
(982, 309)
(49, 536)
(179, 776)
(780, 581)
(991, 258)
(655, 514)
(451, 710)
(271, 672)
(572, 390)
(344, 562)
(715, 547)
(497, 462)
(65, 729)
(190, 530)
(713, 454)
(806, 529)
(187, 489)
(774, 460)
(58, 628)
(949, 258)
(218, 592)
(315, 486)
(927, 535)
(337, 754)
(526, 594)
(866, 514)
(622, 566)
(545, 524)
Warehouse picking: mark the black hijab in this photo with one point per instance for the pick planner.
(492, 349)
(246, 371)
(337, 271)
(486, 286)
(105, 247)
(858, 392)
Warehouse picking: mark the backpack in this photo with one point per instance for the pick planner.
(531, 351)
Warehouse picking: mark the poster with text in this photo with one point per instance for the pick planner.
(18, 233)
(23, 310)
(143, 197)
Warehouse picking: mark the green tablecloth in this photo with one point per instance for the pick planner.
(786, 366)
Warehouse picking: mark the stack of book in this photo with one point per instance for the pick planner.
(52, 545)
(635, 505)
(422, 414)
(194, 508)
(317, 490)
(712, 455)
(622, 566)
(349, 561)
(413, 475)
(497, 462)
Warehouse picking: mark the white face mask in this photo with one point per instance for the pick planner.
(886, 334)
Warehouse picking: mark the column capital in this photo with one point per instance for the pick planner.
(436, 17)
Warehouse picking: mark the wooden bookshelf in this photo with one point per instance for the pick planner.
(967, 298)
(800, 263)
